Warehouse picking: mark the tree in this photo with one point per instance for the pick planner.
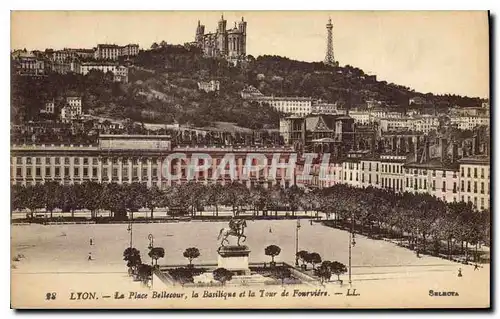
(191, 253)
(114, 200)
(259, 198)
(154, 198)
(92, 193)
(293, 196)
(133, 258)
(195, 193)
(313, 259)
(302, 255)
(282, 273)
(34, 198)
(222, 275)
(324, 272)
(215, 196)
(338, 269)
(276, 197)
(71, 198)
(135, 197)
(144, 272)
(17, 197)
(156, 253)
(272, 250)
(52, 196)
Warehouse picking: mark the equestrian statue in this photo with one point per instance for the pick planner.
(236, 229)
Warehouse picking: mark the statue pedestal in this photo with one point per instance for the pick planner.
(234, 258)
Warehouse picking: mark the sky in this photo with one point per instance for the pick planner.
(429, 51)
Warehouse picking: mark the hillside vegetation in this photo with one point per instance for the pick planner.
(163, 89)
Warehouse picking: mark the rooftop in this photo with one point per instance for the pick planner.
(478, 160)
(434, 163)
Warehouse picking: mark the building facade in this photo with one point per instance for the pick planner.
(49, 107)
(120, 73)
(475, 181)
(30, 66)
(301, 106)
(211, 86)
(469, 122)
(113, 51)
(319, 107)
(139, 158)
(72, 110)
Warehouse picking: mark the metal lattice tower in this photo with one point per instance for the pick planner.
(329, 58)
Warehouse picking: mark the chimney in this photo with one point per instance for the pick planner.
(425, 153)
(464, 151)
(454, 152)
(415, 149)
(444, 147)
(474, 145)
(303, 133)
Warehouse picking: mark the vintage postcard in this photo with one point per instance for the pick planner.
(250, 159)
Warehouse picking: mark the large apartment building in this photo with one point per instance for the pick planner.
(139, 158)
(466, 180)
(113, 51)
(120, 73)
(469, 122)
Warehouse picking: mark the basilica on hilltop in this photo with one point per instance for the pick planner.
(228, 43)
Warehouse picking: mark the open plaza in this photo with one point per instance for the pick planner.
(58, 254)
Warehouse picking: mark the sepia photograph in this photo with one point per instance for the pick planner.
(250, 160)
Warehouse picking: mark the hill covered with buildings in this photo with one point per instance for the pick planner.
(179, 84)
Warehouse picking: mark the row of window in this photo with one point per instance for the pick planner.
(67, 160)
(37, 172)
(462, 172)
(115, 161)
(56, 172)
(475, 190)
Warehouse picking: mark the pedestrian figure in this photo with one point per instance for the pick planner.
(91, 242)
(476, 267)
(270, 230)
(90, 256)
(459, 272)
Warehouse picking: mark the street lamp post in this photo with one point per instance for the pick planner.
(352, 243)
(130, 231)
(297, 243)
(151, 246)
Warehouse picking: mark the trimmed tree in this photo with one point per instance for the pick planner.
(92, 193)
(338, 269)
(324, 272)
(144, 272)
(313, 259)
(282, 273)
(154, 198)
(222, 275)
(191, 253)
(302, 256)
(272, 250)
(34, 198)
(133, 258)
(156, 253)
